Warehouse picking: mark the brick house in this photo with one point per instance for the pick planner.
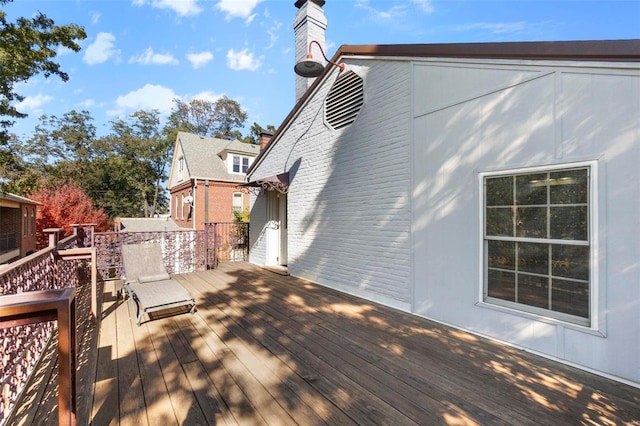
(17, 227)
(205, 177)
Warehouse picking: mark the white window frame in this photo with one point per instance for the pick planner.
(241, 159)
(181, 168)
(233, 204)
(593, 322)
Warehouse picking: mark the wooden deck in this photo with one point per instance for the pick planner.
(268, 349)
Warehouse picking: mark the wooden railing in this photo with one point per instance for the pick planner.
(68, 262)
(54, 267)
(44, 306)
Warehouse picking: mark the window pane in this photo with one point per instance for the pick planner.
(569, 223)
(570, 297)
(236, 164)
(245, 164)
(533, 291)
(499, 191)
(531, 189)
(531, 222)
(570, 261)
(499, 222)
(501, 285)
(502, 254)
(533, 258)
(569, 187)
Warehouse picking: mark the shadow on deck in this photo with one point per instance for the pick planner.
(270, 349)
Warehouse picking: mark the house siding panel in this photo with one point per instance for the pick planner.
(349, 224)
(571, 113)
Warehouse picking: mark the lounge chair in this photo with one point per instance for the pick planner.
(147, 283)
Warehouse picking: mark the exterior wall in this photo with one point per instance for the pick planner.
(17, 229)
(475, 117)
(220, 203)
(181, 213)
(349, 195)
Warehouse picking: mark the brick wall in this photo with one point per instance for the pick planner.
(220, 203)
(349, 197)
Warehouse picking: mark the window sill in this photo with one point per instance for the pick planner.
(595, 331)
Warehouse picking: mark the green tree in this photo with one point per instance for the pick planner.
(28, 47)
(64, 147)
(220, 119)
(139, 142)
(254, 133)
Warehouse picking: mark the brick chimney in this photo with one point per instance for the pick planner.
(309, 24)
(264, 138)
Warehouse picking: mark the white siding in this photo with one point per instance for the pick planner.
(349, 196)
(541, 115)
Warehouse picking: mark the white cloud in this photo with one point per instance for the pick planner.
(151, 96)
(494, 28)
(424, 5)
(33, 103)
(394, 12)
(151, 57)
(181, 7)
(207, 96)
(239, 9)
(273, 34)
(87, 103)
(101, 50)
(95, 17)
(199, 59)
(242, 60)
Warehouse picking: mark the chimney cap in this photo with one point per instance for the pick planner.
(300, 3)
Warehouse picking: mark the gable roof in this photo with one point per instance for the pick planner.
(204, 156)
(587, 50)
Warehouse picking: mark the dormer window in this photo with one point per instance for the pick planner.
(240, 164)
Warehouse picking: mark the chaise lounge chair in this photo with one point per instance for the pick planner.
(147, 283)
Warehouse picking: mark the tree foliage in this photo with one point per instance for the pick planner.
(220, 119)
(28, 47)
(64, 204)
(140, 144)
(121, 172)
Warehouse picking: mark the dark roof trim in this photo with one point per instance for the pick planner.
(587, 50)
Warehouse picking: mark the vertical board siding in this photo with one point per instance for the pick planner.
(542, 115)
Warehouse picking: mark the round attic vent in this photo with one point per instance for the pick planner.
(345, 100)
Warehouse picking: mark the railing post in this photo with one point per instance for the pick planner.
(53, 235)
(215, 245)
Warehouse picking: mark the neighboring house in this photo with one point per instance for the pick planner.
(493, 187)
(148, 224)
(205, 177)
(17, 227)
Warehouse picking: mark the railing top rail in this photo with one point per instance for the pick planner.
(4, 269)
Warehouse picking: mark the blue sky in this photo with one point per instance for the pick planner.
(141, 54)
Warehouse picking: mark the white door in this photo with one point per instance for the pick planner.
(273, 228)
(276, 229)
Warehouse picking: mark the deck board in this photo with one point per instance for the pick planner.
(267, 349)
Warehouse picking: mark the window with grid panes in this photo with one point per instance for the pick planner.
(537, 245)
